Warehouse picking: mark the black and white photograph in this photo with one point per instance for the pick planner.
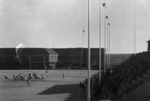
(74, 50)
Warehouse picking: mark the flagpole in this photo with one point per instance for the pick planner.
(89, 52)
(100, 35)
(134, 30)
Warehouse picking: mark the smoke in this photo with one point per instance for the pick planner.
(18, 51)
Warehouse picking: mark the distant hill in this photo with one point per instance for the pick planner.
(116, 59)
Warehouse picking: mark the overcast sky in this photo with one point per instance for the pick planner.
(60, 23)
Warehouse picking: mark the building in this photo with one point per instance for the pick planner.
(38, 58)
(7, 58)
(77, 57)
(148, 49)
(61, 58)
(52, 59)
(29, 58)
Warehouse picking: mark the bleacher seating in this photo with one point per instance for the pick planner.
(124, 78)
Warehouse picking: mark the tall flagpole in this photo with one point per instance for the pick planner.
(89, 52)
(103, 4)
(100, 35)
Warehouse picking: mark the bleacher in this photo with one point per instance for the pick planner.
(125, 77)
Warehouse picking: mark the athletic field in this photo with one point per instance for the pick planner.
(54, 89)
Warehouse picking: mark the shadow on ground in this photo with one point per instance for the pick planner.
(76, 94)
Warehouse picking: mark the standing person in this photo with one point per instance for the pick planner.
(46, 73)
(28, 82)
(82, 86)
(86, 81)
(26, 78)
(63, 76)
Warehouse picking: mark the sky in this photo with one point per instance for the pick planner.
(60, 24)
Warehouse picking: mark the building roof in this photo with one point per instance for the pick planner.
(34, 51)
(50, 51)
(27, 51)
(7, 51)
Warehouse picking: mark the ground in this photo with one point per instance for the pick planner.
(54, 89)
(141, 93)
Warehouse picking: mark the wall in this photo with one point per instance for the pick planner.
(76, 56)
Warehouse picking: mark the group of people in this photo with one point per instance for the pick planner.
(83, 85)
(27, 77)
(125, 76)
(31, 77)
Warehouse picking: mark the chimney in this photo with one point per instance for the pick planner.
(148, 49)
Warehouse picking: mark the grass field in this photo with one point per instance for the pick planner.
(54, 89)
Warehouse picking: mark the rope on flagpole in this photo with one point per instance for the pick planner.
(82, 44)
(134, 30)
(109, 43)
(107, 39)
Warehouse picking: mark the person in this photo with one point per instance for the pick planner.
(21, 76)
(30, 76)
(42, 78)
(14, 77)
(28, 82)
(46, 73)
(6, 78)
(86, 81)
(63, 77)
(82, 86)
(35, 76)
(26, 79)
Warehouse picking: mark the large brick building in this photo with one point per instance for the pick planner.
(78, 56)
(29, 58)
(38, 58)
(7, 58)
